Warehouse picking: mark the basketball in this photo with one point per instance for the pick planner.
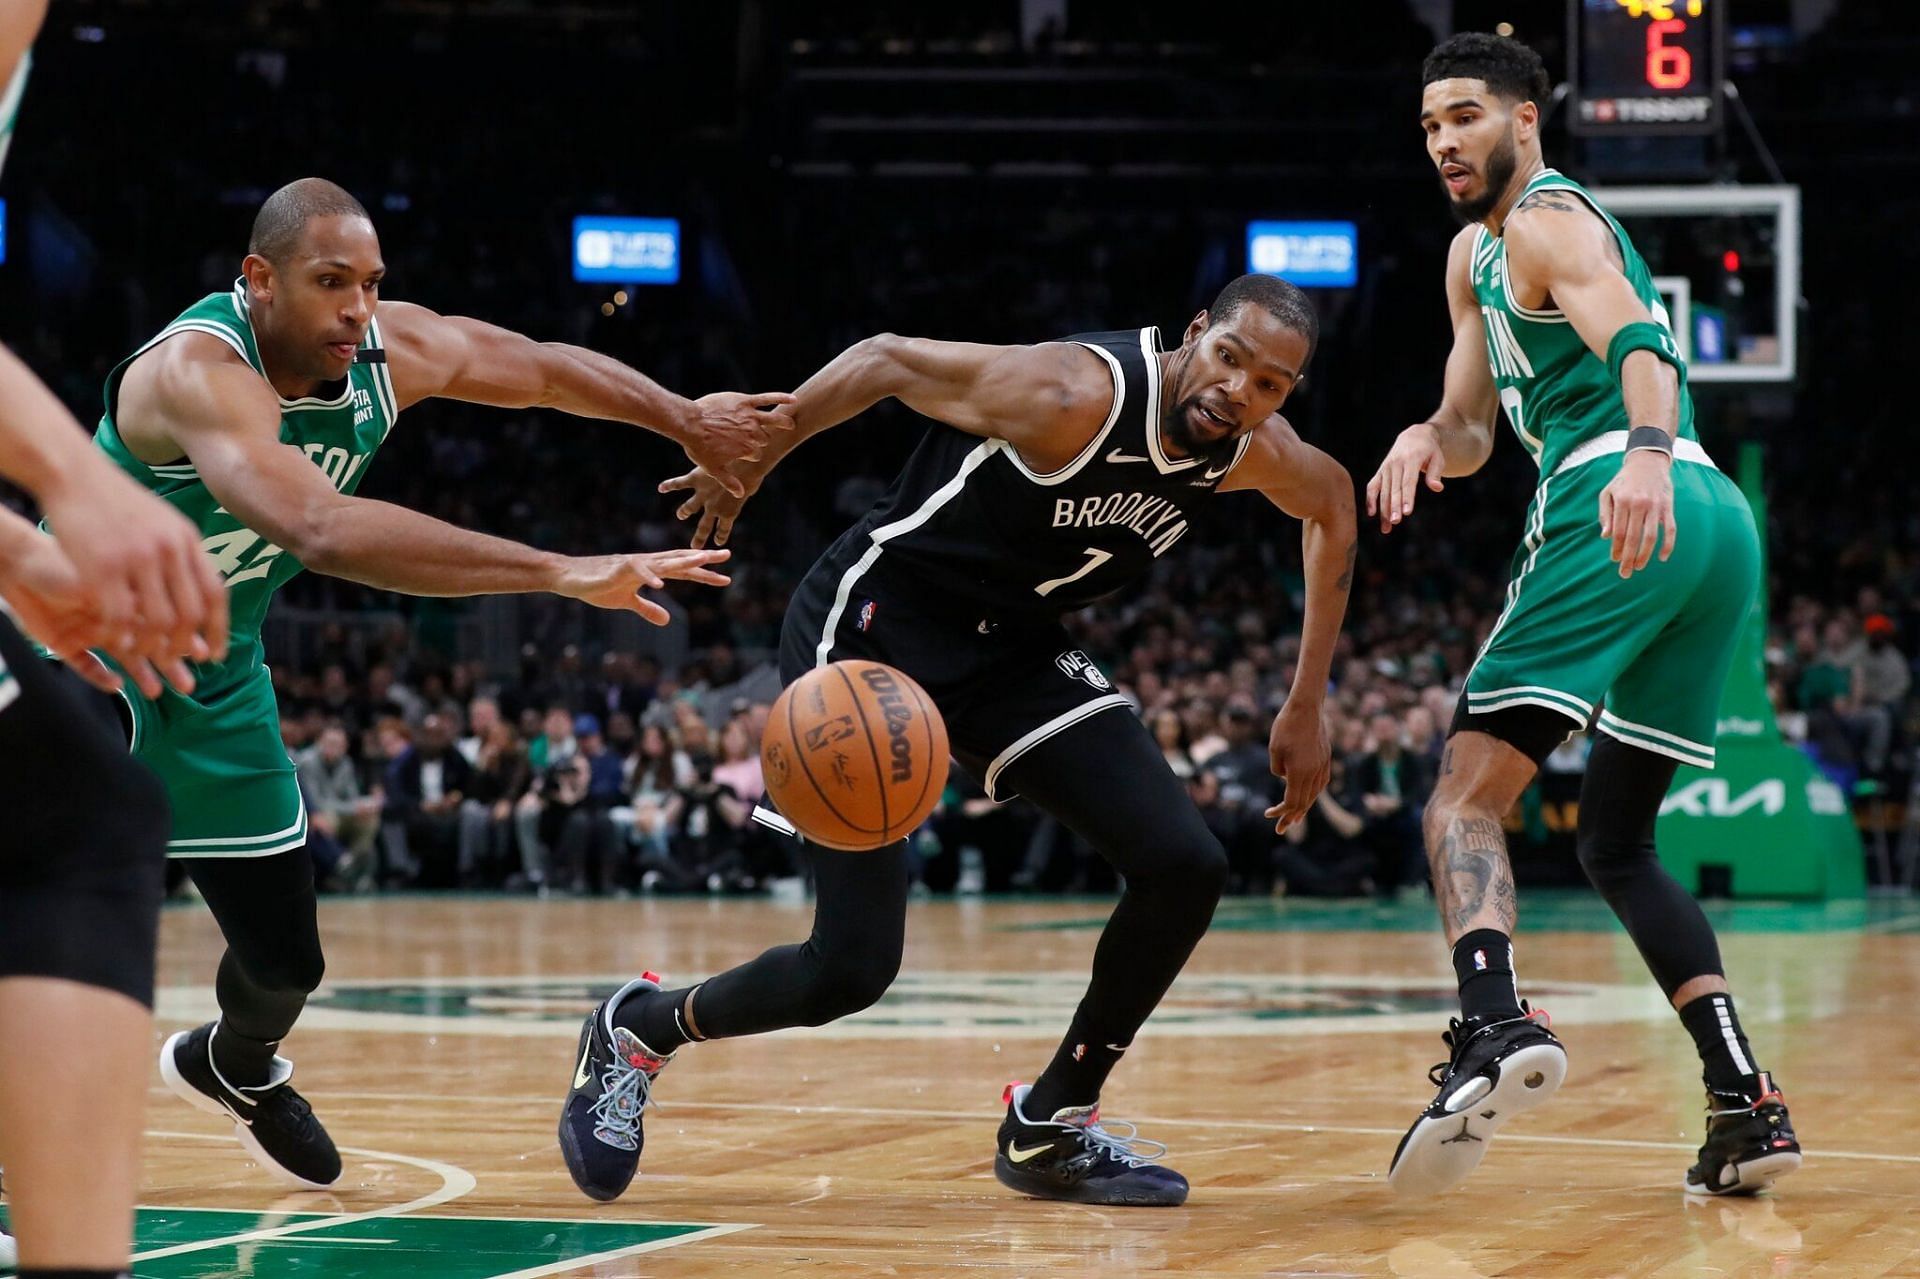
(855, 755)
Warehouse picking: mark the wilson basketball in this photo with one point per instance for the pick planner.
(855, 755)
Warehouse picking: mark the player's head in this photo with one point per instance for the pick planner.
(1237, 363)
(313, 268)
(1481, 111)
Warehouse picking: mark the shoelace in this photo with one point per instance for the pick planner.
(1129, 1148)
(1437, 1073)
(625, 1091)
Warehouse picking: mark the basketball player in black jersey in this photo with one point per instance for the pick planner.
(1055, 474)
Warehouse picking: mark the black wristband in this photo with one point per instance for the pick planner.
(1650, 437)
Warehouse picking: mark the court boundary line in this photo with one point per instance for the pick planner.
(455, 1182)
(561, 1267)
(1250, 1125)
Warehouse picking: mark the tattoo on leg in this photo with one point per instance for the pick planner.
(1473, 857)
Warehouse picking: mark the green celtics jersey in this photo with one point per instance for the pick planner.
(339, 429)
(1557, 393)
(10, 105)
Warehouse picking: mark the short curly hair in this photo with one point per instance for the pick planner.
(1511, 69)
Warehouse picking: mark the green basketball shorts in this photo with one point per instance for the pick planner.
(1655, 648)
(226, 770)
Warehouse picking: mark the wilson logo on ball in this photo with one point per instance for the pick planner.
(899, 716)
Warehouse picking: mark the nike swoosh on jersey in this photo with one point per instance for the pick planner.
(1020, 1156)
(1116, 455)
(580, 1075)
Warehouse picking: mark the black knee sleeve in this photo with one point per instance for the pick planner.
(267, 911)
(1619, 804)
(83, 848)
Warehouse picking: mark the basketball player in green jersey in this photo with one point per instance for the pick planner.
(256, 413)
(80, 865)
(1556, 319)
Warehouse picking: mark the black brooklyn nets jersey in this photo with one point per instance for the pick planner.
(968, 523)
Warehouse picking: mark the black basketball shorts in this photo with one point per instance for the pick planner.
(1003, 684)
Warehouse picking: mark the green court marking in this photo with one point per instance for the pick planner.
(382, 1247)
(1542, 910)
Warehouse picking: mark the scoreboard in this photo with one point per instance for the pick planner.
(1647, 66)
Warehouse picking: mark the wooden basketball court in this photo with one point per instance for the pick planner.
(1281, 1073)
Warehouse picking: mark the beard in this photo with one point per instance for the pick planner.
(1177, 426)
(1501, 164)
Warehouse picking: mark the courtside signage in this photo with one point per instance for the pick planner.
(626, 250)
(1313, 255)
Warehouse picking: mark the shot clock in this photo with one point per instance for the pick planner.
(1647, 66)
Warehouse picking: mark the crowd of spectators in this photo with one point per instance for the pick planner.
(808, 226)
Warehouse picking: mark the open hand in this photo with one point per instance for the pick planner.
(1391, 491)
(615, 581)
(712, 501)
(54, 606)
(157, 594)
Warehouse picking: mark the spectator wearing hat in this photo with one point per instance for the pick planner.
(1881, 679)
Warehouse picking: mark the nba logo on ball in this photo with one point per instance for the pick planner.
(1078, 665)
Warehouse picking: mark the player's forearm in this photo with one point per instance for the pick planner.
(42, 449)
(1328, 545)
(1466, 445)
(393, 549)
(588, 384)
(1650, 388)
(847, 386)
(851, 383)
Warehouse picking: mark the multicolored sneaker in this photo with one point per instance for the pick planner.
(1750, 1141)
(600, 1134)
(1498, 1070)
(1072, 1157)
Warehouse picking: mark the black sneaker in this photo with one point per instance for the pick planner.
(1750, 1141)
(612, 1084)
(1072, 1157)
(1498, 1070)
(272, 1121)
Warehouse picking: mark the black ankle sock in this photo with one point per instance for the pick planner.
(242, 1062)
(74, 1274)
(1483, 961)
(656, 1016)
(1725, 1056)
(1076, 1074)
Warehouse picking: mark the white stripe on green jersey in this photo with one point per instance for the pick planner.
(10, 105)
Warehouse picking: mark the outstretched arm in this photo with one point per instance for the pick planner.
(1457, 438)
(1557, 243)
(1315, 489)
(1045, 400)
(460, 359)
(226, 417)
